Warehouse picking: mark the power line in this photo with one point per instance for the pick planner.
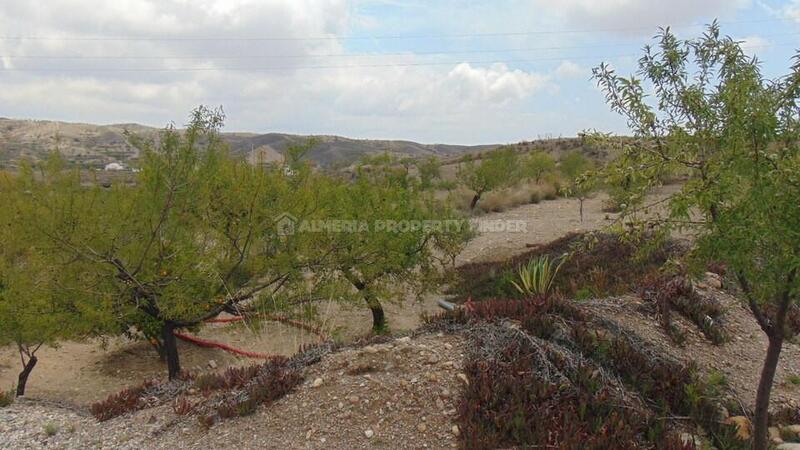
(342, 55)
(350, 38)
(321, 67)
(279, 68)
(327, 55)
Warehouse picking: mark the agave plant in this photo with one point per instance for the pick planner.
(537, 276)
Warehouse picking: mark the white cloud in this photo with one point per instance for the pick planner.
(568, 69)
(496, 84)
(415, 96)
(404, 98)
(754, 44)
(635, 15)
(792, 10)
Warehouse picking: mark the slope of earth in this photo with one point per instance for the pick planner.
(739, 360)
(399, 394)
(96, 145)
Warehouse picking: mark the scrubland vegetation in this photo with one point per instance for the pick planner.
(202, 233)
(199, 234)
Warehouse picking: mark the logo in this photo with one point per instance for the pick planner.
(285, 224)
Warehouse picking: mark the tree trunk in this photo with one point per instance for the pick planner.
(474, 201)
(581, 208)
(171, 350)
(761, 422)
(22, 380)
(378, 316)
(158, 346)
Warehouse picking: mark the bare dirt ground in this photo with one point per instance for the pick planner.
(84, 372)
(541, 223)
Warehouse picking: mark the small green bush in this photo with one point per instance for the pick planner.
(6, 398)
(51, 429)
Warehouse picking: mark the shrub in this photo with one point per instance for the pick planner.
(6, 398)
(182, 406)
(675, 292)
(50, 429)
(230, 378)
(127, 400)
(274, 380)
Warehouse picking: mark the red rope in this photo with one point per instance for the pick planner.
(302, 325)
(212, 344)
(295, 323)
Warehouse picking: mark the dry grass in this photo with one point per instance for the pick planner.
(504, 199)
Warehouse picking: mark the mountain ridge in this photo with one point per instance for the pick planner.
(97, 145)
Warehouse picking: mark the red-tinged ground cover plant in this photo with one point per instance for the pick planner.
(234, 392)
(702, 108)
(552, 375)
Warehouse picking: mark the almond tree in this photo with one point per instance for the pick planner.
(538, 164)
(35, 310)
(392, 238)
(574, 166)
(192, 238)
(713, 116)
(497, 169)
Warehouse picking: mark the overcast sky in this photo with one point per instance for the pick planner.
(464, 72)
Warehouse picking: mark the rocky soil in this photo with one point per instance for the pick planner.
(400, 394)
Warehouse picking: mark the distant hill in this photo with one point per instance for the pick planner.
(98, 145)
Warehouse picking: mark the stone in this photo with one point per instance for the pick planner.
(775, 435)
(422, 427)
(369, 433)
(212, 364)
(743, 426)
(353, 399)
(713, 280)
(317, 382)
(688, 439)
(404, 340)
(791, 430)
(789, 446)
(463, 377)
(455, 430)
(371, 349)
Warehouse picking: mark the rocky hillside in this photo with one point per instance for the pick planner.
(98, 145)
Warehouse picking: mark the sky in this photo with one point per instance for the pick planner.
(458, 72)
